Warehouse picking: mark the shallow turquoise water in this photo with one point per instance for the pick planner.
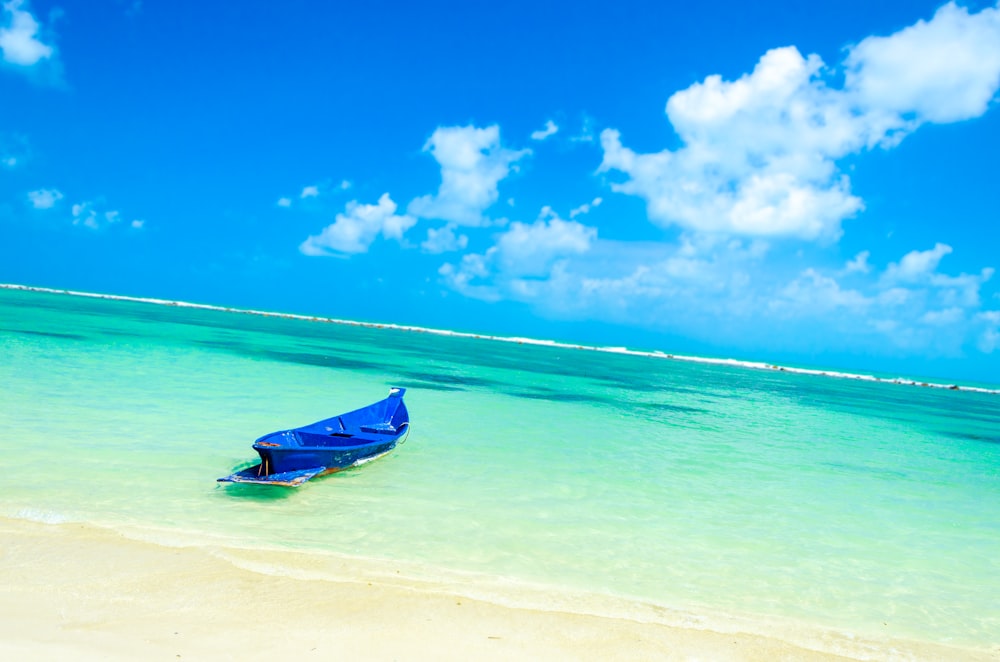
(869, 507)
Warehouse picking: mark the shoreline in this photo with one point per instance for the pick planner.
(736, 363)
(87, 592)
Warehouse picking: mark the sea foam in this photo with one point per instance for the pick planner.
(656, 354)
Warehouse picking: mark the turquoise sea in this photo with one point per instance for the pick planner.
(869, 508)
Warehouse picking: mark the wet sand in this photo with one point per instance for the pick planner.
(70, 591)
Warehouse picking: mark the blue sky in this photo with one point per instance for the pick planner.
(755, 180)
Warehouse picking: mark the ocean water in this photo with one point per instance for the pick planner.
(865, 507)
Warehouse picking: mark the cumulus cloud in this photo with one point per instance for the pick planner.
(759, 154)
(530, 250)
(522, 253)
(543, 133)
(20, 36)
(309, 192)
(44, 198)
(473, 163)
(284, 202)
(942, 70)
(444, 240)
(357, 228)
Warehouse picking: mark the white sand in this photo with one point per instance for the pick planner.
(72, 592)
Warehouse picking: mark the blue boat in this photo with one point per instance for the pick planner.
(292, 457)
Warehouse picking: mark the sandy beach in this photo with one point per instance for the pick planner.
(77, 592)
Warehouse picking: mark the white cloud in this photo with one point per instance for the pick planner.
(549, 130)
(989, 339)
(14, 150)
(19, 36)
(314, 191)
(586, 134)
(942, 70)
(522, 259)
(943, 317)
(859, 263)
(817, 291)
(687, 287)
(44, 198)
(530, 250)
(759, 153)
(472, 165)
(354, 230)
(585, 207)
(84, 214)
(444, 240)
(920, 269)
(88, 215)
(917, 265)
(736, 292)
(911, 303)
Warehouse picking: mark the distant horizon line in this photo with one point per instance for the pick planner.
(656, 354)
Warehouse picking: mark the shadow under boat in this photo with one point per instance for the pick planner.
(289, 458)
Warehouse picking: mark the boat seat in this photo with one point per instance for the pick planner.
(379, 428)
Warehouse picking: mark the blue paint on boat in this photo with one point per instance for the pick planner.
(291, 457)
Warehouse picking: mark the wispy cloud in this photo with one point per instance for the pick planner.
(989, 336)
(587, 132)
(859, 263)
(585, 207)
(14, 150)
(89, 214)
(550, 129)
(910, 302)
(313, 192)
